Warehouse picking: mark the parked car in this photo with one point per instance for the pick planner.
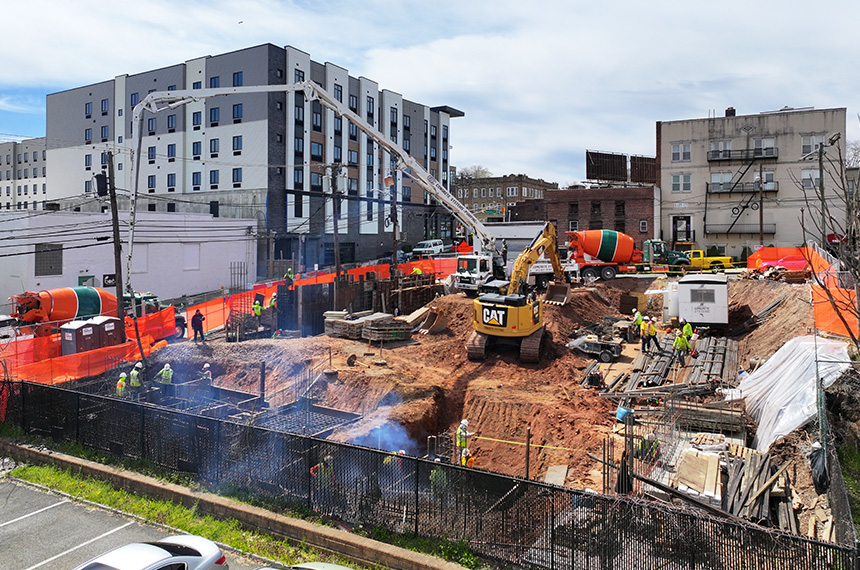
(183, 551)
(794, 262)
(430, 247)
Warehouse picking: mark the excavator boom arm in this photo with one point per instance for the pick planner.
(543, 244)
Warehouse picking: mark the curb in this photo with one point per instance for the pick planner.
(358, 549)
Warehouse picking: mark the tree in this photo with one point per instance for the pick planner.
(852, 154)
(474, 171)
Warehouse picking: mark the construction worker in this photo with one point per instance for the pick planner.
(647, 448)
(257, 308)
(637, 322)
(206, 375)
(467, 459)
(273, 302)
(687, 331)
(324, 482)
(461, 437)
(644, 329)
(120, 385)
(165, 375)
(416, 271)
(438, 480)
(682, 347)
(134, 376)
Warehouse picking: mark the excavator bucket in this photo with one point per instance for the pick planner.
(436, 321)
(557, 293)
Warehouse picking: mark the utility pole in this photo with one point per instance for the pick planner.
(761, 204)
(821, 189)
(117, 245)
(335, 214)
(393, 189)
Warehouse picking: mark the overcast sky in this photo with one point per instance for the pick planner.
(539, 82)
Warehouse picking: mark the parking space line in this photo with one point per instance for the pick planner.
(51, 559)
(33, 513)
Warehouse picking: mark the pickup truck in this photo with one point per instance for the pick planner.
(698, 260)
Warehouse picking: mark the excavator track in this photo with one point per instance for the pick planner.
(476, 346)
(530, 346)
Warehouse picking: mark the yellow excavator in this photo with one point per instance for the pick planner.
(514, 316)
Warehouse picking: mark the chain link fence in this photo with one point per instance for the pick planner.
(515, 522)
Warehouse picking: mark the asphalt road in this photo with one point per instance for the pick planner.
(42, 531)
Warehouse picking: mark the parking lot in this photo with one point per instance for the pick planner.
(49, 532)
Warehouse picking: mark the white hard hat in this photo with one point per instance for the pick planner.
(122, 375)
(166, 367)
(401, 452)
(464, 423)
(206, 365)
(646, 318)
(437, 460)
(466, 451)
(635, 311)
(683, 320)
(139, 365)
(650, 437)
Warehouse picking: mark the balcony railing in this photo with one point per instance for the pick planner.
(739, 228)
(740, 187)
(743, 154)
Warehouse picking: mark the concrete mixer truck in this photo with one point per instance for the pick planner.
(606, 253)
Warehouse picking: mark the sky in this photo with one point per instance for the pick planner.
(539, 82)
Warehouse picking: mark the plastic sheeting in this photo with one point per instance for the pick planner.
(780, 396)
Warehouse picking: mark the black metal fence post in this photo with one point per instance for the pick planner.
(417, 471)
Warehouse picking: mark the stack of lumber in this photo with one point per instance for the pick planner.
(698, 473)
(382, 326)
(760, 492)
(337, 325)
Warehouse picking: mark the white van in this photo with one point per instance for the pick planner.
(430, 247)
(7, 328)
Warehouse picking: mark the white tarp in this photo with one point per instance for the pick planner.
(780, 396)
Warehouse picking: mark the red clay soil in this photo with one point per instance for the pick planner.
(428, 385)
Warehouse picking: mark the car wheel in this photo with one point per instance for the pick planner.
(605, 356)
(178, 331)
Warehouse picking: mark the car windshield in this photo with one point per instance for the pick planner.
(467, 265)
(425, 244)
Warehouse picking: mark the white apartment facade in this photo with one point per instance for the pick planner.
(709, 172)
(263, 156)
(23, 175)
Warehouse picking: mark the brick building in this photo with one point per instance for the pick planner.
(629, 210)
(490, 198)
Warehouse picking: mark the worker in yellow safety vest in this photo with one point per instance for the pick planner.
(416, 271)
(682, 347)
(165, 375)
(206, 375)
(645, 332)
(134, 376)
(257, 308)
(461, 437)
(120, 385)
(273, 302)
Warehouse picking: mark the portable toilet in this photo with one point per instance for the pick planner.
(79, 336)
(108, 329)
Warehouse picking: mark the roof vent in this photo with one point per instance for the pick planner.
(730, 112)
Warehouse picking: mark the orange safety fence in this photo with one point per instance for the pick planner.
(771, 254)
(41, 359)
(829, 315)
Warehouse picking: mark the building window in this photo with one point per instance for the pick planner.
(171, 87)
(316, 181)
(150, 181)
(371, 105)
(765, 147)
(237, 112)
(317, 121)
(721, 149)
(352, 157)
(810, 143)
(171, 206)
(105, 133)
(88, 135)
(150, 207)
(573, 226)
(214, 147)
(643, 226)
(135, 98)
(316, 151)
(237, 79)
(337, 154)
(681, 152)
(213, 177)
(196, 149)
(49, 259)
(214, 115)
(298, 178)
(171, 181)
(171, 152)
(196, 178)
(150, 153)
(171, 122)
(338, 92)
(105, 106)
(721, 181)
(810, 178)
(619, 208)
(237, 177)
(338, 125)
(88, 109)
(196, 119)
(299, 75)
(214, 82)
(407, 193)
(299, 145)
(197, 85)
(353, 132)
(88, 163)
(104, 159)
(595, 207)
(681, 183)
(300, 114)
(150, 125)
(237, 143)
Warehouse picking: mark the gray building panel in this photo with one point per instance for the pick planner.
(67, 119)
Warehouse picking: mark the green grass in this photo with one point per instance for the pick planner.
(849, 457)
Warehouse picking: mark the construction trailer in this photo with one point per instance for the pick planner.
(703, 299)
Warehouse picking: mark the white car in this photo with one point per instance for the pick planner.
(185, 552)
(430, 247)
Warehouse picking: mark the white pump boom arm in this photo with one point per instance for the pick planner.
(161, 100)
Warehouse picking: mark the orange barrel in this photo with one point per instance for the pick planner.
(606, 245)
(71, 303)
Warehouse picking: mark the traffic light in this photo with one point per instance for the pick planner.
(101, 184)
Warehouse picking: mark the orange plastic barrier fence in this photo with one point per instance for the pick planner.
(830, 318)
(755, 260)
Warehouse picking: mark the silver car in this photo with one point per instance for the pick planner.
(183, 552)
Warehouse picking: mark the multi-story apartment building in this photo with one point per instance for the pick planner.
(491, 198)
(625, 209)
(734, 182)
(264, 156)
(23, 170)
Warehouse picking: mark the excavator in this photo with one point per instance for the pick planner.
(514, 316)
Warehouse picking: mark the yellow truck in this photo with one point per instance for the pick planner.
(698, 260)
